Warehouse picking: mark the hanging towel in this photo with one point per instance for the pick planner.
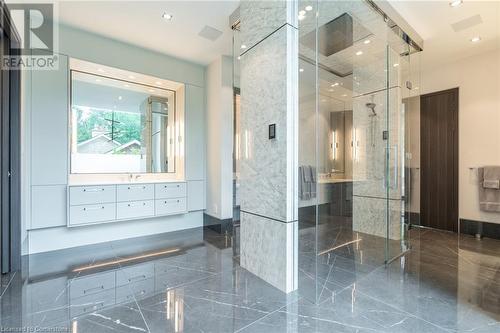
(492, 184)
(304, 189)
(313, 181)
(489, 188)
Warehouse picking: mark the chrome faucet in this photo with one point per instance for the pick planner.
(132, 177)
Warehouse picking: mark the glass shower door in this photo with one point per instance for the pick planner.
(351, 145)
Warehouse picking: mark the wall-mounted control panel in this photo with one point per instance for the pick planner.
(272, 131)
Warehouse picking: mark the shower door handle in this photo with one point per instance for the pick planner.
(387, 157)
(396, 169)
(386, 167)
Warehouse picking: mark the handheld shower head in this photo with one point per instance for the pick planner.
(372, 106)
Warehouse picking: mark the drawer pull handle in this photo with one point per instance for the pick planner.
(136, 187)
(93, 208)
(132, 205)
(137, 278)
(93, 189)
(93, 289)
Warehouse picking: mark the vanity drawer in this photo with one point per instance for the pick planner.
(92, 303)
(135, 192)
(83, 195)
(170, 190)
(170, 206)
(134, 273)
(92, 213)
(134, 209)
(91, 284)
(128, 293)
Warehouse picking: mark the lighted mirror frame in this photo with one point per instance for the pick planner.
(132, 78)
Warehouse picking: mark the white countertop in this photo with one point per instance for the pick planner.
(334, 180)
(96, 183)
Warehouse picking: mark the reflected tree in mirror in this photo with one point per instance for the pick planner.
(120, 127)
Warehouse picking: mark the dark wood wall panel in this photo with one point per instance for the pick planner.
(439, 160)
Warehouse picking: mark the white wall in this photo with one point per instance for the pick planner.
(479, 121)
(219, 85)
(45, 112)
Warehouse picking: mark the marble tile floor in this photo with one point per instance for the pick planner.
(191, 281)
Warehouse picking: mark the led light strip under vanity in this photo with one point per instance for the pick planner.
(94, 204)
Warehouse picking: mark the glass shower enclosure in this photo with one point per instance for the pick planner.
(356, 68)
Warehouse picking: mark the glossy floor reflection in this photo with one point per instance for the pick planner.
(191, 281)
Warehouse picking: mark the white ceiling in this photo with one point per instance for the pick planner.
(433, 20)
(140, 23)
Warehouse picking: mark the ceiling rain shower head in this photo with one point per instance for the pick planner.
(372, 106)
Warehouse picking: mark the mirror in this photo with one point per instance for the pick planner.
(119, 126)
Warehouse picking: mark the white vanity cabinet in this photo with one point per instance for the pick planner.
(95, 204)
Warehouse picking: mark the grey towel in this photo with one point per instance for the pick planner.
(307, 173)
(489, 193)
(304, 189)
(493, 184)
(313, 181)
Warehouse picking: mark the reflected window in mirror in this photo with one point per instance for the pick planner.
(120, 126)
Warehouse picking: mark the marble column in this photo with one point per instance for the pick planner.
(268, 172)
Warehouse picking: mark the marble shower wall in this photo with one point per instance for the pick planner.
(378, 163)
(369, 216)
(369, 167)
(268, 167)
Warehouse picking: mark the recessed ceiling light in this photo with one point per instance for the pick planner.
(395, 65)
(158, 83)
(167, 16)
(475, 39)
(302, 12)
(367, 41)
(239, 57)
(309, 8)
(301, 17)
(120, 98)
(243, 46)
(335, 84)
(301, 70)
(359, 53)
(456, 3)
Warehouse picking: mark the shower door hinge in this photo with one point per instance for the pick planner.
(385, 135)
(409, 85)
